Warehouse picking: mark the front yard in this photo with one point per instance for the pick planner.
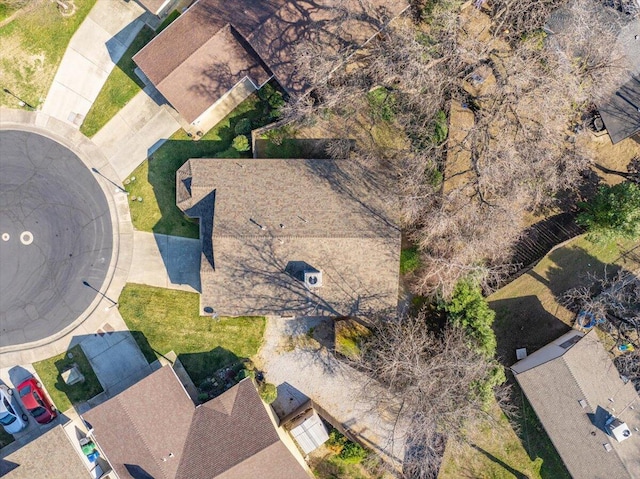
(64, 396)
(32, 47)
(155, 179)
(121, 86)
(163, 320)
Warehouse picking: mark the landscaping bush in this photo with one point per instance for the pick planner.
(243, 127)
(268, 392)
(241, 143)
(349, 336)
(269, 94)
(348, 451)
(613, 212)
(468, 309)
(352, 453)
(409, 260)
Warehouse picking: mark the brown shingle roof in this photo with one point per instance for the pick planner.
(263, 219)
(232, 437)
(50, 456)
(229, 437)
(585, 372)
(144, 424)
(268, 34)
(210, 72)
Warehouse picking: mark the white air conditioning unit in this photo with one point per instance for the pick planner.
(313, 279)
(618, 429)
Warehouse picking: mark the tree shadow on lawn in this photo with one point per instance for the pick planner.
(530, 322)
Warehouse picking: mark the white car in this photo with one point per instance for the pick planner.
(12, 418)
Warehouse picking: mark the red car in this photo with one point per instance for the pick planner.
(36, 401)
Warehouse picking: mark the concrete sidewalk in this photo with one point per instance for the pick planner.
(92, 53)
(165, 261)
(136, 131)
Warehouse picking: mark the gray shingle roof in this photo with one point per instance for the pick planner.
(229, 437)
(555, 389)
(621, 111)
(262, 220)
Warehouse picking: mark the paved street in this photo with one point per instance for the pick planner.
(56, 238)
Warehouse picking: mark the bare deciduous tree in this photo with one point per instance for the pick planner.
(437, 377)
(616, 298)
(522, 146)
(514, 18)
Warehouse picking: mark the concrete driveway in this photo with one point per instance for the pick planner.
(165, 261)
(137, 131)
(348, 396)
(115, 358)
(93, 51)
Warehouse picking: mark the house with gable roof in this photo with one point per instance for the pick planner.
(217, 52)
(591, 414)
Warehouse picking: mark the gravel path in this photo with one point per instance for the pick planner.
(290, 355)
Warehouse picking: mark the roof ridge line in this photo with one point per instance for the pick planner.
(189, 56)
(143, 440)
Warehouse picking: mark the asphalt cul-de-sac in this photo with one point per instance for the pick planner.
(55, 237)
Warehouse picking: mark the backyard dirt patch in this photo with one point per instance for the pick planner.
(614, 157)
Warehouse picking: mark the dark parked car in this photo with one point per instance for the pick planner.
(36, 401)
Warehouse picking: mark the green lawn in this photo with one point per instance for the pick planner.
(156, 177)
(495, 451)
(65, 396)
(529, 315)
(32, 47)
(121, 86)
(6, 11)
(5, 438)
(164, 320)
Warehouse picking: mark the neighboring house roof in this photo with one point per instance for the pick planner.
(263, 221)
(572, 370)
(229, 437)
(621, 111)
(50, 455)
(186, 62)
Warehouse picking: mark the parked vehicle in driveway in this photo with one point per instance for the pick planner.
(36, 401)
(12, 418)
